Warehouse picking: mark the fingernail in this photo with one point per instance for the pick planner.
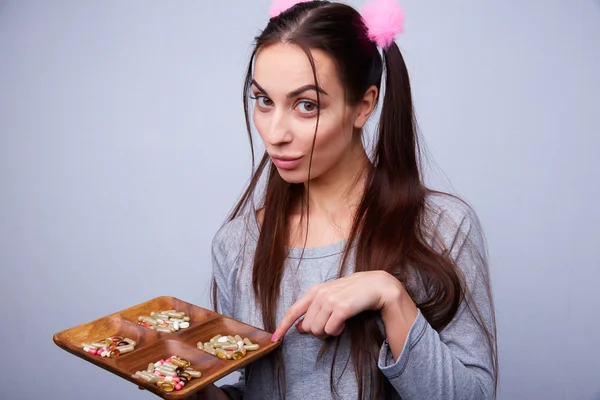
(273, 338)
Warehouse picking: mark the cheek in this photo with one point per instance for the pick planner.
(333, 140)
(260, 123)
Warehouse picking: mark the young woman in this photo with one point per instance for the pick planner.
(376, 285)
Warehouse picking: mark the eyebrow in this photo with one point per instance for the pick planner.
(294, 93)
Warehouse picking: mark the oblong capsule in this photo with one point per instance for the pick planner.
(210, 350)
(150, 368)
(186, 375)
(222, 354)
(130, 341)
(230, 339)
(125, 349)
(186, 319)
(163, 329)
(100, 345)
(200, 346)
(148, 320)
(238, 338)
(114, 353)
(251, 347)
(140, 375)
(194, 373)
(148, 376)
(175, 314)
(167, 372)
(215, 338)
(180, 362)
(229, 347)
(248, 342)
(166, 386)
(169, 365)
(184, 325)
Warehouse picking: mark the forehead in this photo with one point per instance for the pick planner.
(285, 67)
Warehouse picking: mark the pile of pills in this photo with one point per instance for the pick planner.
(170, 374)
(111, 347)
(228, 347)
(165, 321)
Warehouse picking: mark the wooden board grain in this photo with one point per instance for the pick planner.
(153, 346)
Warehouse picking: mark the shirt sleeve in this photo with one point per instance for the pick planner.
(456, 363)
(224, 280)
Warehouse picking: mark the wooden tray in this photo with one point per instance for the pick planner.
(153, 346)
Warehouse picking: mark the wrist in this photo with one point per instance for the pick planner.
(395, 302)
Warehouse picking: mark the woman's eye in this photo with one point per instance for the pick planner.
(264, 101)
(307, 107)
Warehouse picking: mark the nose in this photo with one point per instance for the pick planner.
(278, 131)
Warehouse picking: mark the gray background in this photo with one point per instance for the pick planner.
(122, 148)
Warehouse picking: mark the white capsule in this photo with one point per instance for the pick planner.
(222, 339)
(184, 325)
(194, 373)
(158, 363)
(176, 325)
(240, 345)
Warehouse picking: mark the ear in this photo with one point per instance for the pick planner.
(366, 107)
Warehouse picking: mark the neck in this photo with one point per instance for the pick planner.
(339, 190)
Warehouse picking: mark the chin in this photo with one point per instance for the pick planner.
(293, 176)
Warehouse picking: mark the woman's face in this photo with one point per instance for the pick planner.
(285, 112)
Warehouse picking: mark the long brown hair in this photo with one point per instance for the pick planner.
(388, 227)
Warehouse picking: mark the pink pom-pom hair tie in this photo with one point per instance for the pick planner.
(384, 20)
(280, 6)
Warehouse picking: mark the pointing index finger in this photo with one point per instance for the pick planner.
(297, 310)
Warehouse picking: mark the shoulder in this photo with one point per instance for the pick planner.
(454, 221)
(231, 240)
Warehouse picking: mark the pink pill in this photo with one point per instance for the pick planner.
(92, 351)
(176, 379)
(178, 386)
(162, 361)
(169, 359)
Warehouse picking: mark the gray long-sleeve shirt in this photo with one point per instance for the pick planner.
(455, 363)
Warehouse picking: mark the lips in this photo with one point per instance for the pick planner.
(283, 162)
